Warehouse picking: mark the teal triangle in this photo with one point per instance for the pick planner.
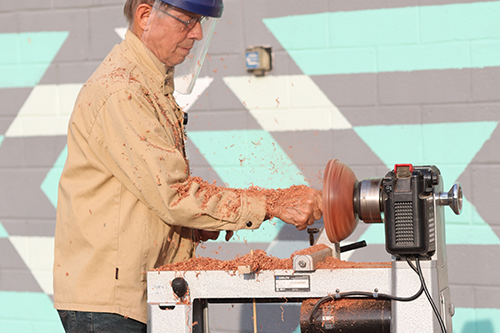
(51, 182)
(467, 228)
(409, 38)
(25, 57)
(3, 232)
(449, 147)
(476, 320)
(1, 139)
(242, 158)
(28, 312)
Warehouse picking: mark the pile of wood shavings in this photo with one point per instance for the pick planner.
(258, 260)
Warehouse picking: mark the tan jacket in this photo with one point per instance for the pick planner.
(117, 214)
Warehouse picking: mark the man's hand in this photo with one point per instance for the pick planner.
(205, 235)
(297, 205)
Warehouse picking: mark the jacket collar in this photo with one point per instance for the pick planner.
(147, 59)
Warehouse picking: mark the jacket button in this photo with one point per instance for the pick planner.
(249, 224)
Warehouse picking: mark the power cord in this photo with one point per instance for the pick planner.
(375, 295)
(434, 307)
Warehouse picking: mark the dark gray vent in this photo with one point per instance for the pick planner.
(403, 222)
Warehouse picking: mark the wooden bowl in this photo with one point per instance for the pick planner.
(339, 182)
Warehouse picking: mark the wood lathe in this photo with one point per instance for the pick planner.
(408, 294)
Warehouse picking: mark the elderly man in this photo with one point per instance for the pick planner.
(127, 202)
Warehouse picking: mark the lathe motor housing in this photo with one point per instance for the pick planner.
(404, 200)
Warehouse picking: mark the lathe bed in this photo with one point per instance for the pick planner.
(168, 313)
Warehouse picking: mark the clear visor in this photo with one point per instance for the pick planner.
(181, 39)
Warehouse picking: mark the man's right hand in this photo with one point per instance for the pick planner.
(297, 205)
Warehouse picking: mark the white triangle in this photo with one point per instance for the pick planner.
(121, 32)
(46, 112)
(48, 108)
(187, 101)
(38, 254)
(287, 103)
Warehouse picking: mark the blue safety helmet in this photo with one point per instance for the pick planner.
(211, 8)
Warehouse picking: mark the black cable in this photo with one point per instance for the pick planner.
(411, 265)
(434, 307)
(365, 294)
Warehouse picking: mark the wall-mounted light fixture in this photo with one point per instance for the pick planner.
(259, 60)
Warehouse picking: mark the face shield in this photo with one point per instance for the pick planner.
(180, 38)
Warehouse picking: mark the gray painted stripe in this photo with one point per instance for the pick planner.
(387, 98)
(482, 180)
(238, 119)
(313, 149)
(15, 274)
(481, 276)
(25, 163)
(340, 5)
(473, 283)
(30, 226)
(12, 101)
(415, 97)
(21, 195)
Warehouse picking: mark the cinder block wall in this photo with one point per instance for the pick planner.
(372, 83)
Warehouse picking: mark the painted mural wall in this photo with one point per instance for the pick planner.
(372, 83)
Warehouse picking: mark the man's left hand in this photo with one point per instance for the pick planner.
(205, 235)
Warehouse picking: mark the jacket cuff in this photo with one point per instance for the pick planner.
(253, 212)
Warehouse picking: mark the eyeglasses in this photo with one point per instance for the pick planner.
(188, 24)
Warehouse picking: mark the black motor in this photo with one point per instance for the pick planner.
(405, 201)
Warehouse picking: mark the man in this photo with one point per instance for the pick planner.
(126, 201)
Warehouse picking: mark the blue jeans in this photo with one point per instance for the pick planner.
(97, 322)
